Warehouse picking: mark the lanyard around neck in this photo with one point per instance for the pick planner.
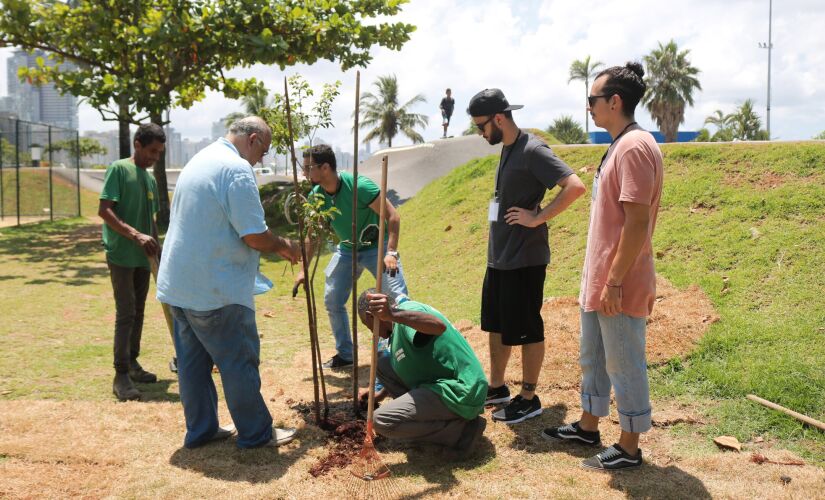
(604, 156)
(503, 163)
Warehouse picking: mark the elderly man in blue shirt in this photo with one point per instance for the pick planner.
(207, 275)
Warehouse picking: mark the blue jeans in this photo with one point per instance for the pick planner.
(338, 287)
(613, 354)
(227, 337)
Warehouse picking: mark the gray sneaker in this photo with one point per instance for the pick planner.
(613, 458)
(123, 388)
(224, 432)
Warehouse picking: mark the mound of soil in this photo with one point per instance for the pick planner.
(345, 435)
(680, 318)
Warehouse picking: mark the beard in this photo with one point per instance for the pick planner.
(496, 135)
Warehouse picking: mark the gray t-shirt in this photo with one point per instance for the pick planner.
(526, 170)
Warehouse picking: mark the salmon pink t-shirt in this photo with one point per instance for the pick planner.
(632, 172)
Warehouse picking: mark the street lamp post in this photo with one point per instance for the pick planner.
(768, 46)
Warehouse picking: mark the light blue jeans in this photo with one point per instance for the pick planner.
(228, 337)
(338, 287)
(613, 354)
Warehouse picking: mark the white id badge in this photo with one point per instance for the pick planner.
(492, 212)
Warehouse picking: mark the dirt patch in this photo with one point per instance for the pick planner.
(680, 318)
(762, 181)
(345, 435)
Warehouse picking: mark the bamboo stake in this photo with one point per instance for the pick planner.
(304, 263)
(804, 418)
(379, 274)
(355, 403)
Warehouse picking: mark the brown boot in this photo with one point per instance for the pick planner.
(124, 389)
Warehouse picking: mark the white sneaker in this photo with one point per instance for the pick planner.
(280, 436)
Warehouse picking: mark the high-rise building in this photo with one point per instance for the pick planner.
(37, 103)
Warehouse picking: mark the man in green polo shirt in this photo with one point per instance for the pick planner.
(435, 378)
(128, 203)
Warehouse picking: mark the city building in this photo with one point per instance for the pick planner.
(37, 103)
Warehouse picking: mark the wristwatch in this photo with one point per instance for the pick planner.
(393, 253)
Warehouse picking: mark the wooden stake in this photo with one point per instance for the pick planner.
(355, 403)
(379, 274)
(804, 418)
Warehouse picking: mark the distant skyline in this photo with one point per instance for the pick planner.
(525, 48)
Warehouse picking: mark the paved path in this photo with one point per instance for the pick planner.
(410, 168)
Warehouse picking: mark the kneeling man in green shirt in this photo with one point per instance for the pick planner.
(436, 380)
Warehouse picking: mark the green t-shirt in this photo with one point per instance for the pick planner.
(444, 364)
(367, 220)
(135, 193)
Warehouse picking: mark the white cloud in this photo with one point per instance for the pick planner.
(525, 47)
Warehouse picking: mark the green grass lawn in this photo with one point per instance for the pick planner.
(745, 222)
(34, 194)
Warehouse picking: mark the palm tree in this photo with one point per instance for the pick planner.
(746, 124)
(584, 71)
(568, 130)
(718, 119)
(381, 115)
(254, 102)
(671, 81)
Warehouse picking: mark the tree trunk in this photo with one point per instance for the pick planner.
(159, 172)
(124, 139)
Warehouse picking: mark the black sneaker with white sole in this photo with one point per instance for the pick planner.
(572, 433)
(519, 410)
(613, 458)
(337, 362)
(497, 395)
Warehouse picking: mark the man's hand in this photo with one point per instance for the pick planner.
(148, 244)
(390, 265)
(299, 280)
(379, 306)
(611, 300)
(364, 397)
(527, 218)
(291, 252)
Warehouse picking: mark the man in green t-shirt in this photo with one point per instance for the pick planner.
(336, 188)
(128, 202)
(435, 378)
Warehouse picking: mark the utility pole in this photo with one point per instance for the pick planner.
(769, 46)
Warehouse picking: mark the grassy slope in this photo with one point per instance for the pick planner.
(34, 194)
(748, 214)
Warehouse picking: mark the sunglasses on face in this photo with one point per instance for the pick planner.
(591, 99)
(481, 126)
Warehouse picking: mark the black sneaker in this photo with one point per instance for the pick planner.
(519, 410)
(337, 362)
(497, 395)
(613, 458)
(574, 433)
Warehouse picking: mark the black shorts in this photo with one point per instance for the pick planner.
(511, 304)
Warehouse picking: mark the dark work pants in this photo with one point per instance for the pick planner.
(130, 285)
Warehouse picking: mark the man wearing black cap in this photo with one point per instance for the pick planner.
(518, 251)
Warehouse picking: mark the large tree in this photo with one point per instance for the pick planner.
(135, 60)
(671, 81)
(585, 71)
(383, 118)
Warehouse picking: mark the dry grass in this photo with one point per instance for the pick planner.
(63, 436)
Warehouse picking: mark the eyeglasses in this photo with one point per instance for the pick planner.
(266, 152)
(591, 99)
(481, 126)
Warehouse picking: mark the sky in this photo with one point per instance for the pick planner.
(525, 47)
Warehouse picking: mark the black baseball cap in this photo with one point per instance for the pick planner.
(490, 102)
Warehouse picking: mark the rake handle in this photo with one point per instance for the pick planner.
(804, 418)
(170, 324)
(379, 274)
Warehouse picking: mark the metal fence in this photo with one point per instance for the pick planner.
(39, 171)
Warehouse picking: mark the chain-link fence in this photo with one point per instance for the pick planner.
(39, 172)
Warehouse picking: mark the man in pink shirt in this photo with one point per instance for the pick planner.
(618, 280)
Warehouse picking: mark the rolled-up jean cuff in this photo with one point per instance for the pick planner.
(598, 406)
(636, 423)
